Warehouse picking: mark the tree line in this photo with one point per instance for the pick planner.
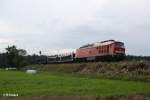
(133, 57)
(16, 58)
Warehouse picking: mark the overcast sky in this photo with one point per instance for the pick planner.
(56, 25)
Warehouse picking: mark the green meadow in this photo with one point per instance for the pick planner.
(54, 84)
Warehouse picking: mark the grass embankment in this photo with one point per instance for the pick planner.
(44, 83)
(125, 70)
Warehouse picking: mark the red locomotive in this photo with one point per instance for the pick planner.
(100, 51)
(105, 50)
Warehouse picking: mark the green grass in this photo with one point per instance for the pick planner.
(43, 83)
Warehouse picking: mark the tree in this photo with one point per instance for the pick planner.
(15, 57)
(3, 60)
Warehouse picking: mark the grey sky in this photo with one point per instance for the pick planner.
(56, 25)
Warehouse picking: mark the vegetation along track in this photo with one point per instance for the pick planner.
(124, 70)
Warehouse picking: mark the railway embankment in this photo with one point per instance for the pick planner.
(124, 70)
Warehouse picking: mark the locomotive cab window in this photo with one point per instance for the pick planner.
(119, 44)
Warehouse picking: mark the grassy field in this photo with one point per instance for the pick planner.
(44, 83)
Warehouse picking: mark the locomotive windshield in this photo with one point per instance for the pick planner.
(119, 44)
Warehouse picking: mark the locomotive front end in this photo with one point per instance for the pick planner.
(119, 50)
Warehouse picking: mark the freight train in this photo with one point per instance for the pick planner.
(109, 50)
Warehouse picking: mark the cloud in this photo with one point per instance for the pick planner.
(5, 41)
(68, 24)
